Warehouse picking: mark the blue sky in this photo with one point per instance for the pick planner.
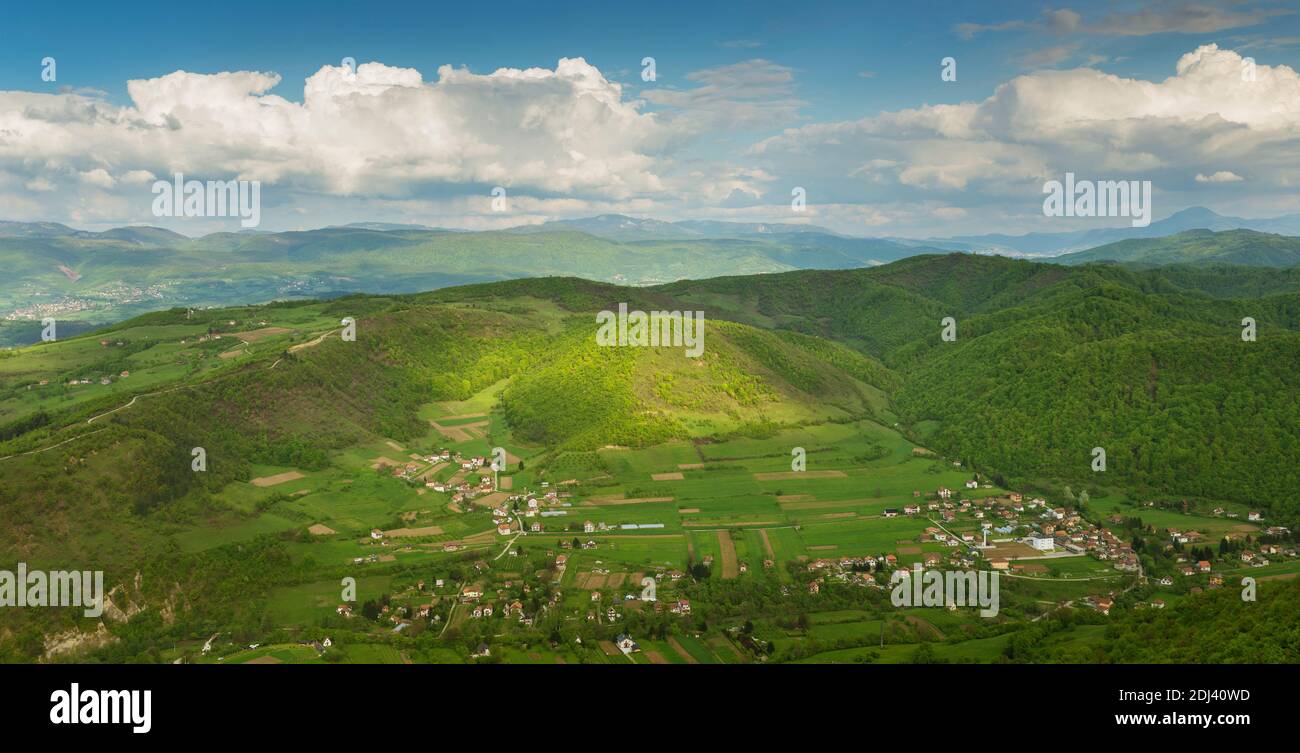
(102, 45)
(749, 99)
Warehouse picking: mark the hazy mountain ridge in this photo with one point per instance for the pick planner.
(80, 277)
(1242, 247)
(1052, 244)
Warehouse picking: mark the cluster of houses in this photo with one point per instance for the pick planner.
(105, 380)
(1074, 534)
(1260, 556)
(1041, 527)
(466, 490)
(545, 510)
(528, 505)
(1255, 557)
(510, 604)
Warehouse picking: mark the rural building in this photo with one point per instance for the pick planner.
(1043, 543)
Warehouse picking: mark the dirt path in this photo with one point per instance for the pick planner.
(311, 343)
(92, 419)
(730, 567)
(509, 544)
(51, 447)
(767, 543)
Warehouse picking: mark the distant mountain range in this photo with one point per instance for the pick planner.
(622, 228)
(52, 270)
(1053, 244)
(81, 277)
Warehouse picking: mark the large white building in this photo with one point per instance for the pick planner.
(1041, 543)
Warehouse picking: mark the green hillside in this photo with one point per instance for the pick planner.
(1214, 629)
(1051, 362)
(1241, 247)
(306, 437)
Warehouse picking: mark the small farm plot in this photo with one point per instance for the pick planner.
(860, 537)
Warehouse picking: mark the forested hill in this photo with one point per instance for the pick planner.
(1215, 628)
(1052, 361)
(1243, 247)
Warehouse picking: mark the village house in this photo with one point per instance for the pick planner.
(626, 644)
